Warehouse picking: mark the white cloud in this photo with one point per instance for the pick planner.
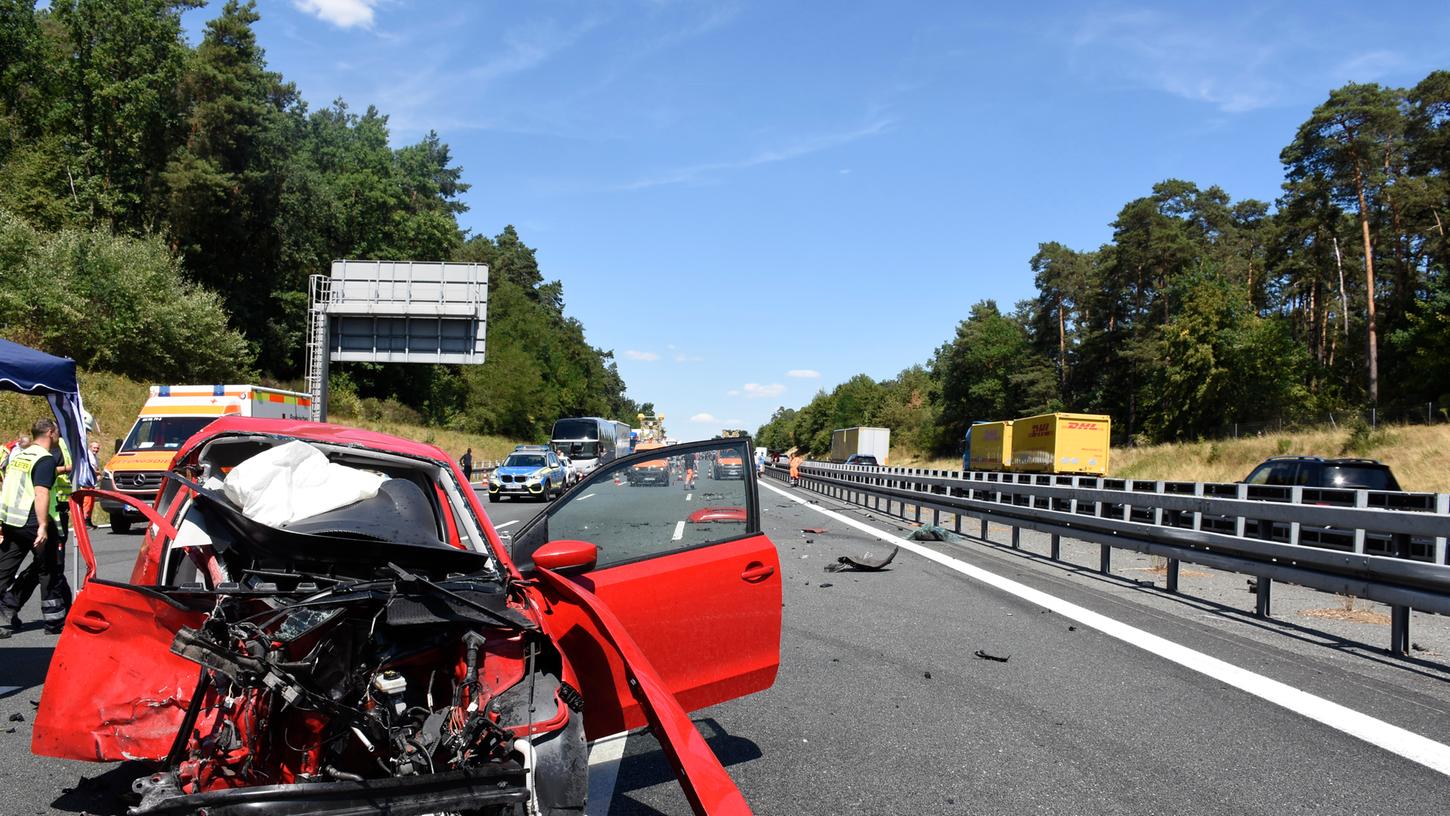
(688, 358)
(804, 374)
(756, 390)
(705, 419)
(645, 356)
(341, 13)
(792, 150)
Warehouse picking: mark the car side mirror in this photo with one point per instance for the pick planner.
(567, 556)
(117, 448)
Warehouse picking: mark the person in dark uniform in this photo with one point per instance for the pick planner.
(30, 523)
(466, 462)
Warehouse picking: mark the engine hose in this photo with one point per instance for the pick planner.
(343, 775)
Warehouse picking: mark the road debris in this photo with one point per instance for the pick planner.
(827, 584)
(814, 530)
(932, 532)
(1072, 628)
(995, 658)
(17, 717)
(866, 562)
(927, 675)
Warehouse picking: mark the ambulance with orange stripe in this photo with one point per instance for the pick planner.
(170, 416)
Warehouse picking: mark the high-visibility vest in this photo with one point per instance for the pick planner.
(17, 494)
(63, 487)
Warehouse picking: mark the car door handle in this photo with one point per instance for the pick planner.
(91, 622)
(755, 572)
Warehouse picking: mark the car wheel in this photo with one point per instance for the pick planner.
(547, 493)
(120, 525)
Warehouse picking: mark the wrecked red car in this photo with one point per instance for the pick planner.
(322, 620)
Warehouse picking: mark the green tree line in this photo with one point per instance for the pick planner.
(146, 172)
(1203, 311)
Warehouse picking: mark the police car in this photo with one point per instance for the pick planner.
(531, 471)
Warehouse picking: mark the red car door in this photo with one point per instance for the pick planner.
(684, 567)
(114, 690)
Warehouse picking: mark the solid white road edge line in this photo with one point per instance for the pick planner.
(1433, 755)
(679, 531)
(585, 496)
(604, 757)
(688, 496)
(505, 524)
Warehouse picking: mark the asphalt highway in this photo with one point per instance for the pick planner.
(883, 706)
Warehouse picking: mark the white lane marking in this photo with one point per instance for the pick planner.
(585, 496)
(1433, 755)
(604, 757)
(688, 495)
(679, 531)
(505, 524)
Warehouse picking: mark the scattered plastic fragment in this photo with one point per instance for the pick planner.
(814, 530)
(995, 658)
(827, 584)
(1072, 628)
(927, 675)
(17, 717)
(866, 562)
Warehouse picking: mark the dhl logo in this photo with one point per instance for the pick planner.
(1082, 426)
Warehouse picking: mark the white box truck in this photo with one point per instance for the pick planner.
(865, 441)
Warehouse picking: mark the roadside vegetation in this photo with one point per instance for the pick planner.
(1203, 311)
(1416, 454)
(162, 206)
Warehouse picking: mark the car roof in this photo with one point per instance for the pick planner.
(311, 432)
(1339, 461)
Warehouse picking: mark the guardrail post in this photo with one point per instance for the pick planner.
(1296, 496)
(1172, 575)
(1442, 506)
(1361, 500)
(983, 536)
(1261, 602)
(1056, 547)
(1241, 492)
(1400, 630)
(1105, 559)
(1016, 537)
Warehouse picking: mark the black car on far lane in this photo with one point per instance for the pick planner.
(1315, 471)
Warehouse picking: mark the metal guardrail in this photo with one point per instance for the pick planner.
(1378, 545)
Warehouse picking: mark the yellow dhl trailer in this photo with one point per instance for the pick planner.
(989, 446)
(1061, 443)
(170, 416)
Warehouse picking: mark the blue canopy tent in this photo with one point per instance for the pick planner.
(34, 372)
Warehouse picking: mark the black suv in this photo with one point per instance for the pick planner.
(1313, 471)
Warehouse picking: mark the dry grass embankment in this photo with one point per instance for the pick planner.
(1416, 453)
(115, 401)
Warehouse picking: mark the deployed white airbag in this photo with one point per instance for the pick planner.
(295, 481)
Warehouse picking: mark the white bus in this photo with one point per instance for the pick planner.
(590, 441)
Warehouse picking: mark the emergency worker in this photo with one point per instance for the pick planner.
(689, 463)
(29, 521)
(48, 568)
(795, 468)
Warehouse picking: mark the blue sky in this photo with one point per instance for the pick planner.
(752, 201)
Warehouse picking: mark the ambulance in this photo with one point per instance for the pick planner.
(170, 416)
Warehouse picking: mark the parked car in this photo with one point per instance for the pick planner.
(1314, 471)
(277, 651)
(863, 460)
(531, 471)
